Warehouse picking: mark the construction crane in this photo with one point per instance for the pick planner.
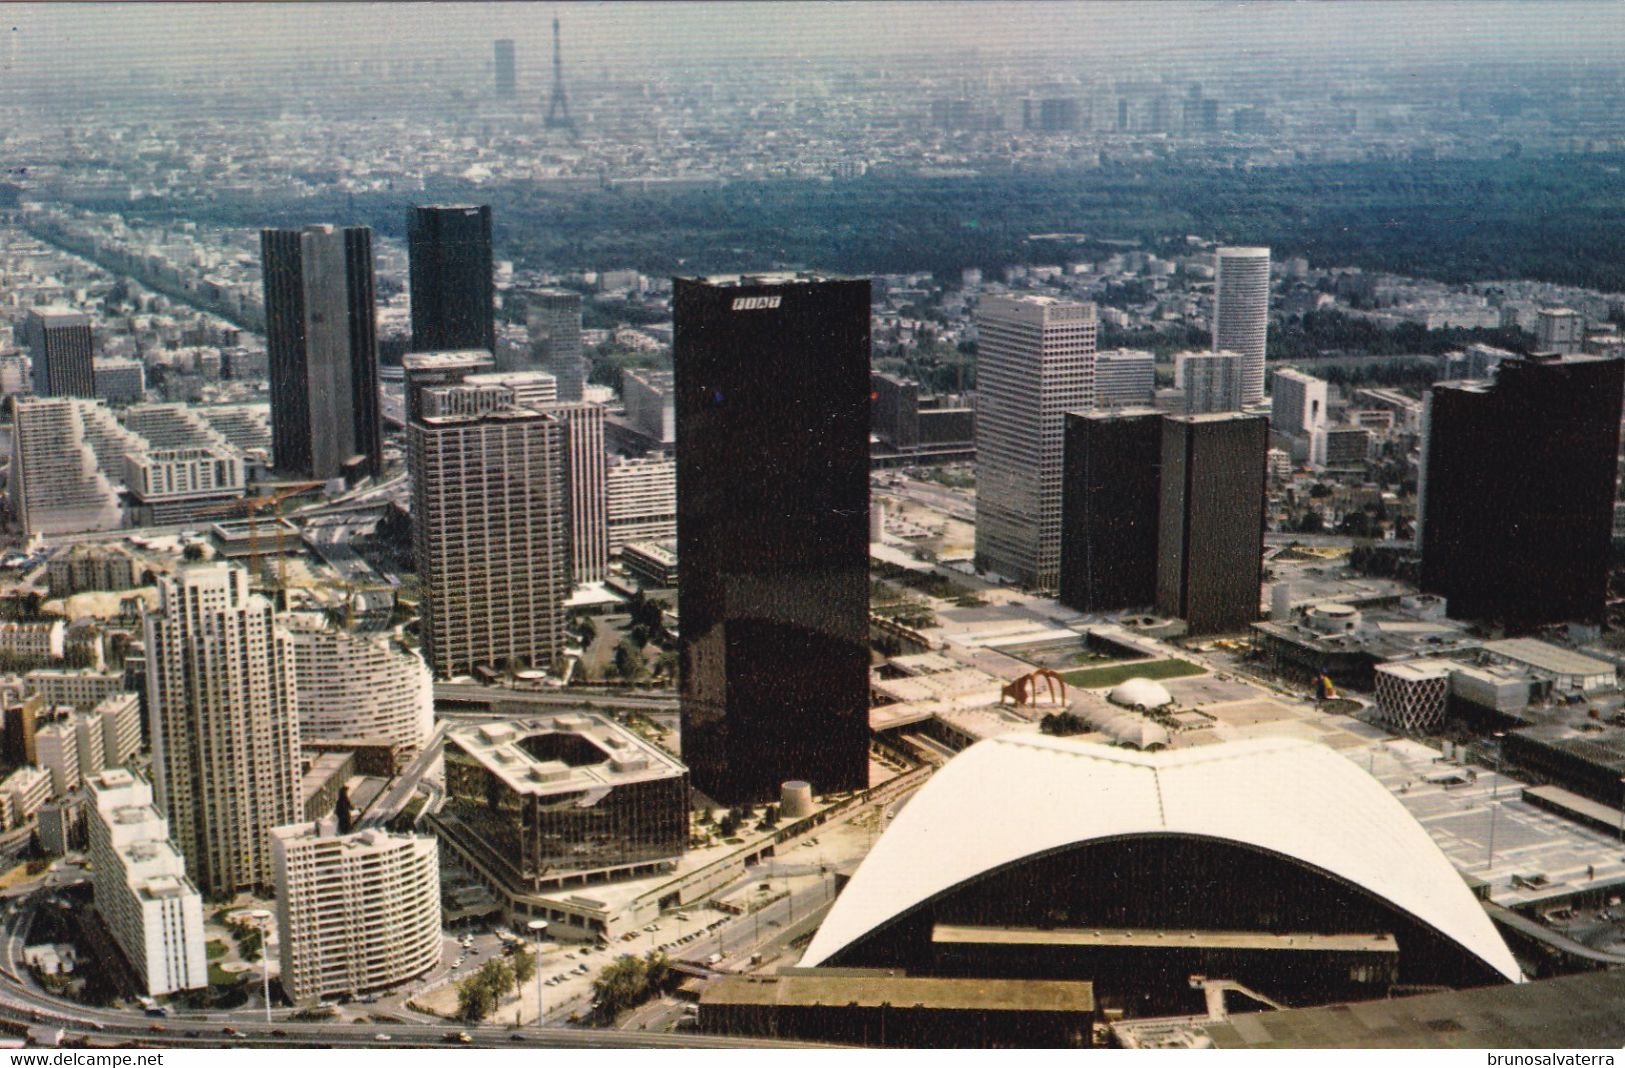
(351, 589)
(251, 508)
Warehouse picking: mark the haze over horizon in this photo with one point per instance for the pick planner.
(49, 42)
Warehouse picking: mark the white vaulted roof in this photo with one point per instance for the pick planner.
(1018, 796)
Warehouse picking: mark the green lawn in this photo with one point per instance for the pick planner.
(1092, 678)
(215, 949)
(220, 977)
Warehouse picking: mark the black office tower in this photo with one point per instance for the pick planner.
(321, 339)
(61, 352)
(1517, 491)
(1211, 523)
(1110, 496)
(772, 410)
(453, 301)
(507, 83)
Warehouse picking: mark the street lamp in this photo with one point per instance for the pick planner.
(262, 922)
(537, 927)
(1622, 808)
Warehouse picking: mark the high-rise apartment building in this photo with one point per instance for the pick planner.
(322, 344)
(422, 370)
(649, 404)
(355, 912)
(60, 349)
(1297, 403)
(1212, 381)
(1241, 313)
(772, 383)
(225, 730)
(490, 528)
(1109, 505)
(537, 390)
(585, 468)
(142, 891)
(507, 81)
(1124, 378)
(1560, 330)
(57, 743)
(1035, 362)
(121, 381)
(452, 291)
(1516, 495)
(359, 687)
(1210, 544)
(640, 500)
(121, 728)
(57, 485)
(554, 320)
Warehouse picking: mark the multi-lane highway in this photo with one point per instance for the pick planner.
(22, 1005)
(475, 693)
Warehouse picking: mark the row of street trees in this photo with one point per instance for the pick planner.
(479, 995)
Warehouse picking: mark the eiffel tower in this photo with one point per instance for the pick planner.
(558, 108)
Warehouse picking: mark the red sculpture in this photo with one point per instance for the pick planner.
(1024, 691)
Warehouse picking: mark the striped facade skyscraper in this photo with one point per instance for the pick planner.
(1035, 363)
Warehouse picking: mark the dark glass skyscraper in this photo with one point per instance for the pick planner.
(1517, 491)
(1210, 543)
(322, 342)
(453, 301)
(60, 348)
(507, 83)
(1110, 495)
(772, 409)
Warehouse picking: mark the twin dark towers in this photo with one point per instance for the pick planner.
(321, 330)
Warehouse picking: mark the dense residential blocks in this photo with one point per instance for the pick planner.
(58, 484)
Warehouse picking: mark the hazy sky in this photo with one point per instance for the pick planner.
(109, 37)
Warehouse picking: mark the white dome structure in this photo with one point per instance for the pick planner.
(1140, 693)
(1005, 807)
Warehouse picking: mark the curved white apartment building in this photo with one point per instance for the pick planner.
(355, 912)
(1241, 313)
(354, 686)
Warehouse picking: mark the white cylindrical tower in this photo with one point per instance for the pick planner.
(1241, 312)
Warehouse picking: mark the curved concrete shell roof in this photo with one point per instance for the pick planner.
(1017, 796)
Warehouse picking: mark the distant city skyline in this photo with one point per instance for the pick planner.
(83, 40)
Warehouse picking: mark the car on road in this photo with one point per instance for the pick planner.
(230, 1031)
(380, 1037)
(277, 1032)
(461, 1037)
(517, 1036)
